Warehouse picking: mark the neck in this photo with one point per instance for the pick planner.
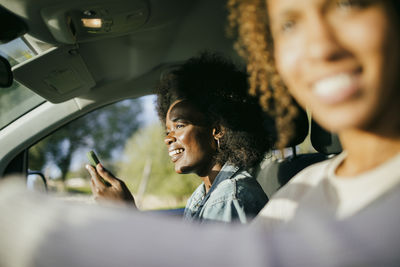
(210, 177)
(366, 150)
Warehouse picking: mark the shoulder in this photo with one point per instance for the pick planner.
(241, 180)
(242, 187)
(247, 188)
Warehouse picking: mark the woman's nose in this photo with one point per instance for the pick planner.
(169, 139)
(322, 42)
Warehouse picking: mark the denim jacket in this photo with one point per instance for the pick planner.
(235, 196)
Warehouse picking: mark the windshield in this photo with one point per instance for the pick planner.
(17, 99)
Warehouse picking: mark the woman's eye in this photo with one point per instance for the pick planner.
(287, 26)
(178, 126)
(347, 5)
(344, 4)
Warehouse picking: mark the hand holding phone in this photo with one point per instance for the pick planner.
(115, 190)
(94, 160)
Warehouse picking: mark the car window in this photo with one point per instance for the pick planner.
(16, 100)
(129, 141)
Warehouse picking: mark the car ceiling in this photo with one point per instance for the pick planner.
(118, 64)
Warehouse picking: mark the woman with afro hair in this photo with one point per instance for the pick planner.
(213, 129)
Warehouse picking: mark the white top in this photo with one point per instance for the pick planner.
(319, 190)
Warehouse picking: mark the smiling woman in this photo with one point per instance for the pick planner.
(339, 59)
(214, 129)
(190, 141)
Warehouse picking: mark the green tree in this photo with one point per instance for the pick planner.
(147, 145)
(104, 130)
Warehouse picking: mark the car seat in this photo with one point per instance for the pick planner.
(272, 173)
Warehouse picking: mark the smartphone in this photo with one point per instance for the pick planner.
(94, 160)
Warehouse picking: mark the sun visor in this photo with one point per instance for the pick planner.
(88, 20)
(57, 75)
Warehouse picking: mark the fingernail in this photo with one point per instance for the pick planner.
(101, 167)
(89, 169)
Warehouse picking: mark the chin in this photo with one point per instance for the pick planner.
(338, 119)
(182, 169)
(178, 171)
(340, 123)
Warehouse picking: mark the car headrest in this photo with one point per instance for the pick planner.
(323, 141)
(301, 128)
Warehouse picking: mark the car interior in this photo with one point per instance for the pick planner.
(90, 53)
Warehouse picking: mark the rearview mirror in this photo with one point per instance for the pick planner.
(6, 76)
(36, 181)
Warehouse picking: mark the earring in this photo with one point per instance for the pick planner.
(218, 144)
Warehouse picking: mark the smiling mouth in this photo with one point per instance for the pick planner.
(175, 152)
(337, 88)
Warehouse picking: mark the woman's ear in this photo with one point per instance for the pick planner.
(218, 132)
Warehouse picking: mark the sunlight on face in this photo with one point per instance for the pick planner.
(190, 141)
(338, 58)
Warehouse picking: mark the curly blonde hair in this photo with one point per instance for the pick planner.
(248, 22)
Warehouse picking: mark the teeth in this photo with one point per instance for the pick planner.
(176, 151)
(333, 85)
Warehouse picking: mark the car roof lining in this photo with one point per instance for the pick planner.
(174, 32)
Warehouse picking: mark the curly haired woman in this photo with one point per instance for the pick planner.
(340, 59)
(213, 129)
